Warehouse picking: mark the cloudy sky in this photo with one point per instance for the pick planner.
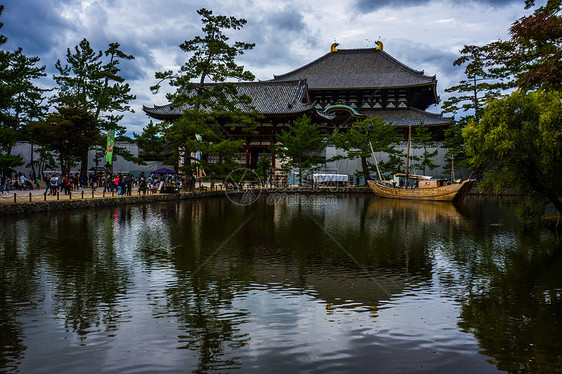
(424, 34)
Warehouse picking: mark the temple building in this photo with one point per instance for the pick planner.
(358, 83)
(335, 90)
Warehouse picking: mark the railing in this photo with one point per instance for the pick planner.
(26, 196)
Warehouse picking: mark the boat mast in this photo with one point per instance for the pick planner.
(408, 156)
(452, 168)
(376, 163)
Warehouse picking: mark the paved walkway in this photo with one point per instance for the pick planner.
(26, 196)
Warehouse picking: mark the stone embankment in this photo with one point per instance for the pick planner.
(49, 206)
(21, 206)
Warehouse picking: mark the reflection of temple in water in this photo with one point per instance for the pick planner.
(300, 255)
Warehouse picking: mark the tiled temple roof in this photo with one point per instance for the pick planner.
(357, 68)
(268, 98)
(411, 116)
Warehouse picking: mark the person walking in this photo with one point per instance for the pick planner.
(8, 184)
(66, 184)
(54, 184)
(47, 183)
(22, 181)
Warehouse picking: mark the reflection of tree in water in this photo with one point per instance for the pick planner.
(208, 323)
(89, 278)
(17, 287)
(512, 301)
(211, 324)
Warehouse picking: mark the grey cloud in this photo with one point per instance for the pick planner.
(289, 20)
(34, 25)
(433, 61)
(367, 6)
(278, 36)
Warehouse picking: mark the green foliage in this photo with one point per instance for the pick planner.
(394, 164)
(531, 59)
(482, 82)
(301, 146)
(69, 132)
(210, 111)
(44, 161)
(264, 166)
(422, 139)
(534, 53)
(357, 141)
(20, 98)
(454, 143)
(151, 142)
(519, 142)
(89, 82)
(9, 162)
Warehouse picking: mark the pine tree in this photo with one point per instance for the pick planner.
(151, 142)
(422, 139)
(358, 139)
(87, 82)
(482, 82)
(20, 101)
(211, 103)
(301, 146)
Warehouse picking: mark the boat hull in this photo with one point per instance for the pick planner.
(450, 192)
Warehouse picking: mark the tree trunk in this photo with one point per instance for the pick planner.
(365, 167)
(84, 166)
(34, 176)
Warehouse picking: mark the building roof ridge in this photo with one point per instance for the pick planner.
(383, 53)
(312, 63)
(431, 114)
(257, 83)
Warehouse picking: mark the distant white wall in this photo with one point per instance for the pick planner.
(120, 165)
(345, 166)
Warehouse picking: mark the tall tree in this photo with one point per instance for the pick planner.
(301, 147)
(455, 157)
(422, 139)
(532, 57)
(482, 82)
(94, 85)
(151, 142)
(210, 110)
(534, 52)
(519, 142)
(263, 168)
(69, 132)
(20, 100)
(357, 141)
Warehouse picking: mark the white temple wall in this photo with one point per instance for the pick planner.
(345, 166)
(120, 165)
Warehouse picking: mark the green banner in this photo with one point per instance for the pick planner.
(109, 149)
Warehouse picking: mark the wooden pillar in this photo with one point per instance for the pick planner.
(247, 156)
(272, 142)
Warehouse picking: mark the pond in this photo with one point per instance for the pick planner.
(319, 284)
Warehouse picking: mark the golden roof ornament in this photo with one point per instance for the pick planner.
(379, 45)
(333, 47)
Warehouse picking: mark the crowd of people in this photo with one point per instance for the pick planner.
(18, 182)
(120, 184)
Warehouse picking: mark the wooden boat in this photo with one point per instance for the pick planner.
(424, 191)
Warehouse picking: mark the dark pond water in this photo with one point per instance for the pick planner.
(338, 284)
